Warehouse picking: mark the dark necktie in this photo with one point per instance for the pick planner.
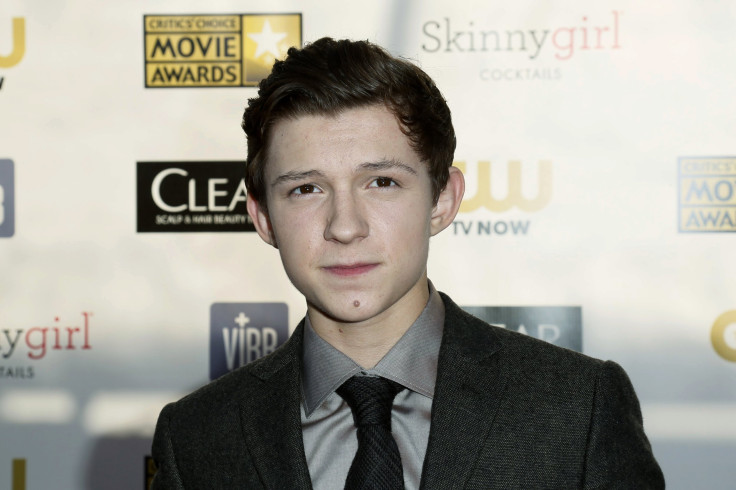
(377, 464)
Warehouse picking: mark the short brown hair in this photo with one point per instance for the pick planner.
(329, 76)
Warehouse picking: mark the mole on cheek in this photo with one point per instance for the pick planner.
(356, 303)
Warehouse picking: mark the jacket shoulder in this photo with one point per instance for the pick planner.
(227, 391)
(475, 336)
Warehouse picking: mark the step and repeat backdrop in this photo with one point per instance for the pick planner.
(597, 141)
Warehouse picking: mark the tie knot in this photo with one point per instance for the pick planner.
(370, 399)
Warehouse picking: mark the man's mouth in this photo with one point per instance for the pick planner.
(350, 269)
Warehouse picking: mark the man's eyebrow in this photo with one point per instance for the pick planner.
(294, 176)
(386, 165)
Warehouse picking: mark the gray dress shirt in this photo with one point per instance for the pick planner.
(328, 431)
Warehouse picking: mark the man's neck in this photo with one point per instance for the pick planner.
(367, 342)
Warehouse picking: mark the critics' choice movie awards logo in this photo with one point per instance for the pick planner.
(516, 198)
(192, 196)
(7, 199)
(9, 59)
(723, 335)
(216, 50)
(558, 325)
(243, 332)
(533, 45)
(20, 345)
(707, 194)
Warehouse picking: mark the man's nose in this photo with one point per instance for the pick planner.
(346, 219)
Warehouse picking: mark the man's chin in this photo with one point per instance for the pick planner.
(349, 311)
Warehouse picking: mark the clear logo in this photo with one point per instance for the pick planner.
(192, 196)
(558, 325)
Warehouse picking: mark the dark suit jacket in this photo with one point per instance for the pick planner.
(509, 412)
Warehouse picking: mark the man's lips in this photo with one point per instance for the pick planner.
(350, 269)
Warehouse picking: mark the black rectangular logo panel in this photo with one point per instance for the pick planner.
(192, 197)
(558, 325)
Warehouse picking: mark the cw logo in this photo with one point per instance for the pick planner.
(19, 44)
(483, 197)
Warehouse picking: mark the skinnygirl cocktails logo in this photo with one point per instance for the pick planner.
(555, 43)
(19, 346)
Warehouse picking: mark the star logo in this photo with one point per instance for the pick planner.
(267, 41)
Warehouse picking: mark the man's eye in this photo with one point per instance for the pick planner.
(383, 182)
(305, 189)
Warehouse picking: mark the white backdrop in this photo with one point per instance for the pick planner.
(608, 96)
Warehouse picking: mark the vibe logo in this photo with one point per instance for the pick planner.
(558, 325)
(243, 332)
(7, 198)
(514, 198)
(723, 335)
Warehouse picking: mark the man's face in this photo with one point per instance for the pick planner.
(350, 210)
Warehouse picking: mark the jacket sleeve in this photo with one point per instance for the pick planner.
(618, 453)
(167, 474)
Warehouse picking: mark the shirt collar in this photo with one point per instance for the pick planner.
(411, 362)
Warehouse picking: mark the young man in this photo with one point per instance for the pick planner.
(386, 383)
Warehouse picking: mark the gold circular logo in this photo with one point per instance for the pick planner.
(723, 335)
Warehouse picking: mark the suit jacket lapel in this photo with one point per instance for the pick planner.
(271, 418)
(470, 385)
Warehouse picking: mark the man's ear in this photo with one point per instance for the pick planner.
(261, 221)
(449, 201)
